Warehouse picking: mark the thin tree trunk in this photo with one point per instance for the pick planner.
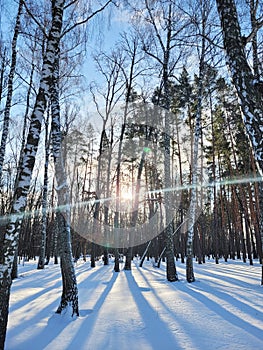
(98, 192)
(42, 255)
(118, 193)
(179, 153)
(192, 209)
(197, 134)
(2, 71)
(106, 209)
(145, 253)
(10, 90)
(54, 226)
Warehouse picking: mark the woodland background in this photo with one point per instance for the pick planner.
(78, 81)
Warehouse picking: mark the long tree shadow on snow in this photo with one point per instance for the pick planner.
(58, 323)
(197, 292)
(188, 328)
(87, 327)
(204, 293)
(161, 337)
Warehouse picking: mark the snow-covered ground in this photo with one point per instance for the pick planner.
(139, 309)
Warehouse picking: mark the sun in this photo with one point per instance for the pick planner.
(126, 194)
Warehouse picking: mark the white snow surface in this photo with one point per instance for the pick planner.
(139, 309)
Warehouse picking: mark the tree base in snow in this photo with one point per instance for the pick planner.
(65, 305)
(189, 270)
(171, 273)
(190, 279)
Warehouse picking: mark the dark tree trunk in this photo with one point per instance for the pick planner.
(116, 261)
(92, 256)
(10, 90)
(128, 260)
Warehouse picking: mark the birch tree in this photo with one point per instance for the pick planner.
(70, 292)
(8, 102)
(19, 202)
(248, 88)
(205, 8)
(42, 255)
(245, 80)
(2, 69)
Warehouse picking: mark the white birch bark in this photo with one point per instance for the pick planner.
(70, 291)
(247, 88)
(14, 221)
(248, 91)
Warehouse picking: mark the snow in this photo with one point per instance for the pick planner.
(139, 309)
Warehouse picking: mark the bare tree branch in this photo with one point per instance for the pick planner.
(247, 39)
(41, 27)
(86, 19)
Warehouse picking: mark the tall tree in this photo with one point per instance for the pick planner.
(248, 88)
(204, 8)
(19, 202)
(10, 89)
(42, 254)
(70, 291)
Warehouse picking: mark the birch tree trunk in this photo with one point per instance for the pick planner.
(98, 192)
(118, 193)
(248, 88)
(2, 70)
(171, 272)
(26, 117)
(9, 90)
(9, 245)
(42, 255)
(197, 134)
(70, 291)
(193, 203)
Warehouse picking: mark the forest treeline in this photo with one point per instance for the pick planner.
(228, 222)
(148, 143)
